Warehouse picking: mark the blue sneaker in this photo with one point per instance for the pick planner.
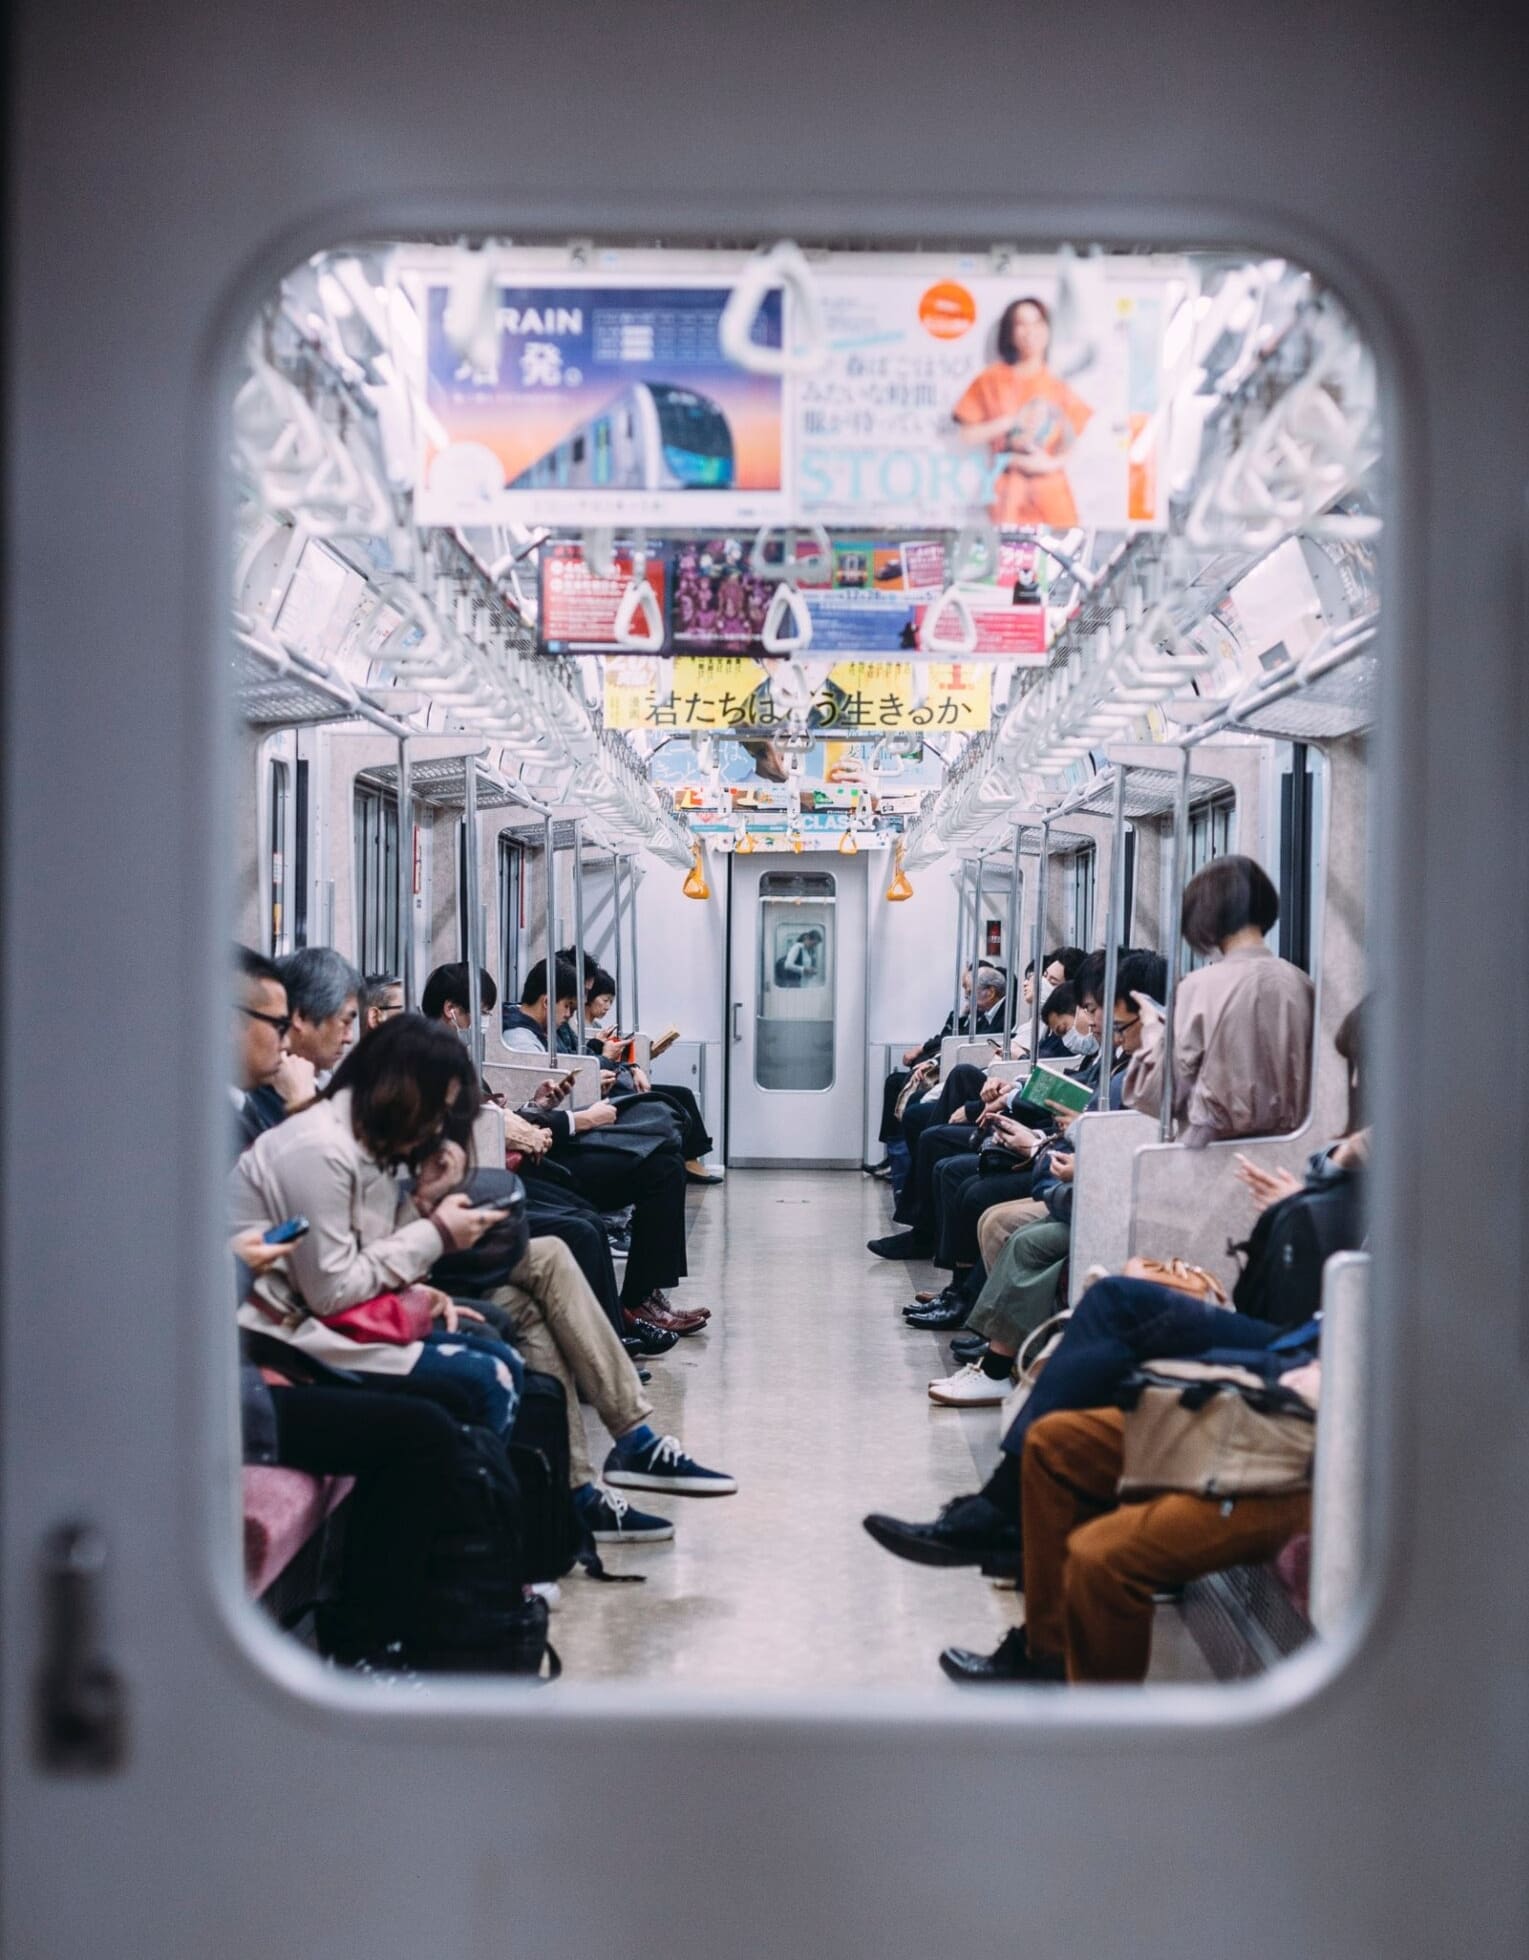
(613, 1521)
(663, 1465)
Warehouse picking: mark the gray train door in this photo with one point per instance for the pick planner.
(177, 1780)
(796, 1030)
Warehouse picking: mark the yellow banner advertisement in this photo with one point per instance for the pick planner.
(864, 694)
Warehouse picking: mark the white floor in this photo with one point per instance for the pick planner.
(811, 1390)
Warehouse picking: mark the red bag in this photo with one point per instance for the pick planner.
(394, 1319)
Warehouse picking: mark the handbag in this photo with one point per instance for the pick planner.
(1028, 1363)
(1180, 1276)
(391, 1319)
(915, 1085)
(1213, 1429)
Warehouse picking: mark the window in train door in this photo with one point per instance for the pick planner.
(512, 894)
(1081, 897)
(794, 1012)
(376, 827)
(280, 936)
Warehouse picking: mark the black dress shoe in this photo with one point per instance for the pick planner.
(969, 1531)
(900, 1245)
(1010, 1661)
(967, 1347)
(951, 1311)
(922, 1302)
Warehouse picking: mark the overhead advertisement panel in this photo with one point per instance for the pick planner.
(874, 695)
(605, 402)
(948, 398)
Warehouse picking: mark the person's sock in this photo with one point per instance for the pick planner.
(635, 1441)
(1002, 1488)
(997, 1367)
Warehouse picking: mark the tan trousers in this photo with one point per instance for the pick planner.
(1092, 1564)
(560, 1330)
(999, 1223)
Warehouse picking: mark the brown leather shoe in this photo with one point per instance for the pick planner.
(677, 1320)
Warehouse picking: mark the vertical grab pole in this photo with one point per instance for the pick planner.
(474, 950)
(621, 1017)
(1175, 946)
(631, 877)
(578, 925)
(1011, 948)
(406, 875)
(1042, 880)
(549, 855)
(955, 1004)
(971, 1018)
(1114, 927)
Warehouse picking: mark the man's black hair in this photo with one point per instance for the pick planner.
(447, 987)
(565, 979)
(1140, 972)
(1061, 1000)
(255, 966)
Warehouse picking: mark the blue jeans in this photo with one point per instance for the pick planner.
(476, 1377)
(1119, 1323)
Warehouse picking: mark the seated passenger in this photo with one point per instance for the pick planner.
(260, 1036)
(897, 1081)
(554, 1208)
(1242, 1026)
(627, 1079)
(323, 996)
(1057, 1017)
(615, 1158)
(1093, 1564)
(381, 999)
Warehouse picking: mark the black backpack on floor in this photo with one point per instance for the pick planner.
(1281, 1281)
(552, 1533)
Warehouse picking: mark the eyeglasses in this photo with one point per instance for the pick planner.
(282, 1023)
(1121, 1026)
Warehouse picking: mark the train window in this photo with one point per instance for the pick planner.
(279, 863)
(512, 915)
(566, 521)
(794, 1039)
(375, 817)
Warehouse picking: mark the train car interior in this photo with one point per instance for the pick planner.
(764, 1104)
(835, 660)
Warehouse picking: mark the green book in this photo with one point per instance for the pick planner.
(1044, 1085)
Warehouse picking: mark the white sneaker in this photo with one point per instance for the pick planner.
(549, 1590)
(968, 1388)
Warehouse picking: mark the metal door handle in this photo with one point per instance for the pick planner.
(737, 1010)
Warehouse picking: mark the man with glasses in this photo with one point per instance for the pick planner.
(381, 999)
(262, 1027)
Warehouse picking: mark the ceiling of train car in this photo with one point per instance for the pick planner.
(780, 549)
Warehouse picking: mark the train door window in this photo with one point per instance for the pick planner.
(1081, 897)
(1210, 837)
(1296, 801)
(512, 899)
(300, 857)
(376, 826)
(794, 1048)
(277, 860)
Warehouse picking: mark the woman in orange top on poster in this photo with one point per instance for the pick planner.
(1029, 415)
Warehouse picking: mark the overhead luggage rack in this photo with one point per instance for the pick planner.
(442, 784)
(1148, 793)
(1340, 703)
(270, 691)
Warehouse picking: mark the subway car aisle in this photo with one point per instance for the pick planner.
(810, 1389)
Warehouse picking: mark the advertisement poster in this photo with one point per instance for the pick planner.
(688, 693)
(608, 403)
(943, 398)
(578, 609)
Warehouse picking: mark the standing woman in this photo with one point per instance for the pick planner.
(1242, 1025)
(1029, 418)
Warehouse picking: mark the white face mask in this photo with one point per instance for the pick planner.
(1079, 1044)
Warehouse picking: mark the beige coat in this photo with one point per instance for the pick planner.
(1241, 1051)
(365, 1238)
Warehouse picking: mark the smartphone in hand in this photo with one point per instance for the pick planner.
(287, 1232)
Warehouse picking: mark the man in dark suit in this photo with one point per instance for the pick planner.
(261, 1029)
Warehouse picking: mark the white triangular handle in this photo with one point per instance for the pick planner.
(786, 602)
(782, 266)
(639, 599)
(819, 564)
(952, 599)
